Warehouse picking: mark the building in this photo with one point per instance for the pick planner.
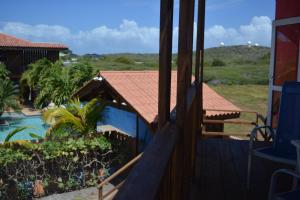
(133, 105)
(17, 53)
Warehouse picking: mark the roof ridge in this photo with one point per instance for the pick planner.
(7, 40)
(14, 37)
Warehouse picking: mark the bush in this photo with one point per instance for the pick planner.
(218, 63)
(124, 60)
(63, 165)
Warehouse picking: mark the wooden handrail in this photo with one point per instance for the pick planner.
(114, 175)
(112, 190)
(208, 133)
(237, 111)
(212, 121)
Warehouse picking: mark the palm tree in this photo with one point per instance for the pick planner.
(8, 94)
(75, 118)
(31, 77)
(8, 97)
(56, 88)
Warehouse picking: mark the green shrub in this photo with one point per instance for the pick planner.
(68, 164)
(124, 60)
(218, 62)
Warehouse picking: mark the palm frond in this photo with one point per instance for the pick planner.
(14, 132)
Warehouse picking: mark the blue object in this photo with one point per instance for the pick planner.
(293, 194)
(15, 120)
(288, 129)
(126, 122)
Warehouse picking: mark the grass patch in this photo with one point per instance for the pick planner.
(241, 75)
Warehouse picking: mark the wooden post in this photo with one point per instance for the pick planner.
(184, 120)
(199, 63)
(137, 135)
(185, 53)
(100, 193)
(165, 61)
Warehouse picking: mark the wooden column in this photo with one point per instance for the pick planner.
(137, 135)
(165, 61)
(185, 53)
(200, 62)
(184, 112)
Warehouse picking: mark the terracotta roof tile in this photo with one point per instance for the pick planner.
(9, 41)
(140, 89)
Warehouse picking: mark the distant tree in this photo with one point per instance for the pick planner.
(218, 62)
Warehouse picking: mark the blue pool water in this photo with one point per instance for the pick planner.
(36, 124)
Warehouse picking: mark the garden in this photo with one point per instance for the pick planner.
(72, 154)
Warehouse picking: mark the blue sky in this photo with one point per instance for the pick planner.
(111, 26)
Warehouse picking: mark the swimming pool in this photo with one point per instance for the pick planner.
(36, 124)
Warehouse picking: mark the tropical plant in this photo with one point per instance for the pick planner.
(31, 77)
(4, 73)
(80, 73)
(53, 82)
(56, 87)
(8, 97)
(78, 120)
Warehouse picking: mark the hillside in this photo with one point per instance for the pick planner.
(226, 65)
(237, 53)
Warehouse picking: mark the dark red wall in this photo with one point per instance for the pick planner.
(287, 8)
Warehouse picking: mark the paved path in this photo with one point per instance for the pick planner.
(84, 194)
(28, 111)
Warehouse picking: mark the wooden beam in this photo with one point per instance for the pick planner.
(200, 64)
(137, 135)
(165, 61)
(184, 116)
(200, 42)
(185, 53)
(240, 122)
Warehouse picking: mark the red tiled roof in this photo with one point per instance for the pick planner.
(140, 90)
(9, 41)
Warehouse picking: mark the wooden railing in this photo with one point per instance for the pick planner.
(112, 192)
(258, 119)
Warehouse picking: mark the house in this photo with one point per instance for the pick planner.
(132, 96)
(17, 53)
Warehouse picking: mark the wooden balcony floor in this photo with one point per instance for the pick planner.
(221, 171)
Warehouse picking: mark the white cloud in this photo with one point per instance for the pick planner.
(131, 37)
(128, 37)
(258, 31)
